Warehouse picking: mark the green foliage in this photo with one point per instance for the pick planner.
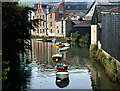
(83, 45)
(109, 60)
(115, 69)
(16, 28)
(75, 36)
(0, 52)
(5, 70)
(85, 39)
(114, 62)
(22, 5)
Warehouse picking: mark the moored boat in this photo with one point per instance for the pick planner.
(66, 44)
(64, 48)
(58, 43)
(62, 45)
(62, 74)
(39, 40)
(54, 40)
(57, 57)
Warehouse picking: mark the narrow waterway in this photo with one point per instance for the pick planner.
(83, 73)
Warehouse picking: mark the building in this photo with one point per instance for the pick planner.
(48, 16)
(105, 28)
(54, 19)
(82, 27)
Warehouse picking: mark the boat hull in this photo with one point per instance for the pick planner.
(62, 75)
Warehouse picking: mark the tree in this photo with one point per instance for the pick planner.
(16, 28)
(15, 39)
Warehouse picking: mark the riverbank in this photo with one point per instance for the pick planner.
(108, 63)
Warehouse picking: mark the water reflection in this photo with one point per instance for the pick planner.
(41, 74)
(82, 74)
(44, 69)
(62, 83)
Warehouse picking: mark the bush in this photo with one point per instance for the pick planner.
(75, 36)
(85, 39)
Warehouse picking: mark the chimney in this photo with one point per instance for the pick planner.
(47, 9)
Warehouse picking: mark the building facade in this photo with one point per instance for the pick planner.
(49, 19)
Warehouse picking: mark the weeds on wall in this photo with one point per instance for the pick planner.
(109, 64)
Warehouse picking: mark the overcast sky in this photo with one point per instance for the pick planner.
(66, 0)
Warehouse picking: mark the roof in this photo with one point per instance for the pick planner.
(80, 13)
(103, 8)
(90, 8)
(115, 10)
(79, 24)
(75, 3)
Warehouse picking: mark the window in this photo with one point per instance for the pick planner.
(57, 27)
(33, 17)
(40, 16)
(43, 16)
(40, 31)
(50, 15)
(43, 30)
(40, 23)
(60, 16)
(51, 30)
(58, 31)
(51, 23)
(43, 23)
(60, 8)
(39, 5)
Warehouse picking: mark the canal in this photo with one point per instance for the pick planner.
(83, 72)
